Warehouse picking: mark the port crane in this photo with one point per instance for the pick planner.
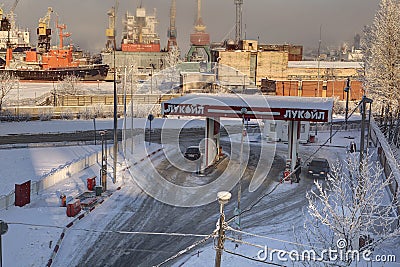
(44, 31)
(11, 16)
(172, 33)
(8, 23)
(61, 34)
(199, 39)
(110, 31)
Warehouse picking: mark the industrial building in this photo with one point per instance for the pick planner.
(278, 69)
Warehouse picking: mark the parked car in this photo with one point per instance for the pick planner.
(318, 167)
(192, 153)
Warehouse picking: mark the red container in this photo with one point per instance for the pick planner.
(63, 201)
(23, 194)
(73, 208)
(91, 183)
(286, 173)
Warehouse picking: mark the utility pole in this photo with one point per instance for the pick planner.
(115, 149)
(132, 110)
(347, 90)
(369, 124)
(318, 60)
(223, 198)
(243, 111)
(124, 135)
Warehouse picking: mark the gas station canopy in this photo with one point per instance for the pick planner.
(290, 108)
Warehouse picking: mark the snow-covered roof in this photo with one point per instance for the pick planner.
(325, 64)
(255, 101)
(258, 106)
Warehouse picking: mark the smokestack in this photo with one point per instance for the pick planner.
(238, 36)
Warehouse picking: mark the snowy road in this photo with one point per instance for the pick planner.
(140, 212)
(133, 210)
(130, 209)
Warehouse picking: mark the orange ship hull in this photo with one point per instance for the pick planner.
(140, 47)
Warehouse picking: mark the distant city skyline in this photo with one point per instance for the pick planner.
(272, 21)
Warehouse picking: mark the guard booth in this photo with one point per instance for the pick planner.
(291, 109)
(277, 131)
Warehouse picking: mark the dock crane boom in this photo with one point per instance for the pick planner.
(110, 31)
(11, 15)
(44, 32)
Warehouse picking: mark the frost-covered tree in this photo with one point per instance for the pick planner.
(7, 83)
(351, 211)
(68, 86)
(381, 45)
(173, 57)
(172, 60)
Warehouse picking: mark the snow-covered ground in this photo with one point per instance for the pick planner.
(37, 89)
(23, 164)
(34, 229)
(27, 243)
(64, 126)
(284, 235)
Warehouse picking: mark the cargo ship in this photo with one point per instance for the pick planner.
(50, 64)
(139, 33)
(11, 34)
(139, 45)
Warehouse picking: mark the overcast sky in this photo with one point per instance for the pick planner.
(272, 21)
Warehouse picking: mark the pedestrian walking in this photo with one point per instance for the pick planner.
(297, 168)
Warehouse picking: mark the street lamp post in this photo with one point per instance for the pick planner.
(243, 111)
(103, 171)
(132, 110)
(18, 101)
(54, 97)
(369, 124)
(364, 100)
(223, 198)
(115, 128)
(94, 126)
(124, 135)
(347, 90)
(150, 118)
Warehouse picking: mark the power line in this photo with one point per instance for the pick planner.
(265, 249)
(110, 231)
(249, 258)
(180, 253)
(271, 238)
(251, 206)
(244, 242)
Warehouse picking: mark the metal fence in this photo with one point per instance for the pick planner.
(386, 158)
(55, 176)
